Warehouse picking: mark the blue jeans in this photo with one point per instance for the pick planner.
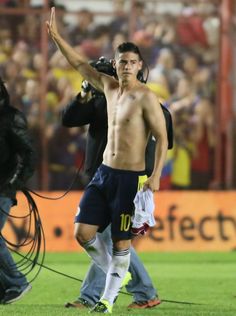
(140, 286)
(10, 277)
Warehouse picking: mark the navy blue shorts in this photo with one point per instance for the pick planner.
(108, 198)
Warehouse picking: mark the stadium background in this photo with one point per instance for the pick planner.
(190, 49)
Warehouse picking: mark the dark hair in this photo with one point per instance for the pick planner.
(128, 47)
(4, 96)
(131, 47)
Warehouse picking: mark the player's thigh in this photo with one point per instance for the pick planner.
(92, 208)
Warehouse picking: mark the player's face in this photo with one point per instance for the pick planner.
(127, 66)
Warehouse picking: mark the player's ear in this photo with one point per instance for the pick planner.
(140, 64)
(113, 62)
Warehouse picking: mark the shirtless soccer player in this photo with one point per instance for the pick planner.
(133, 113)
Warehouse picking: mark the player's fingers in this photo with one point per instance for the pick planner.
(52, 11)
(48, 27)
(52, 16)
(145, 186)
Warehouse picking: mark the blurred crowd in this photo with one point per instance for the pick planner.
(181, 52)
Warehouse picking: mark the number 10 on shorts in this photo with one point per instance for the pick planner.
(125, 222)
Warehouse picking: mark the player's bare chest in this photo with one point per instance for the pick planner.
(124, 108)
(124, 105)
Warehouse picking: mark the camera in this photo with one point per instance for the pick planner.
(102, 65)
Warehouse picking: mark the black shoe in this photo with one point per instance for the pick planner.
(102, 307)
(79, 303)
(13, 295)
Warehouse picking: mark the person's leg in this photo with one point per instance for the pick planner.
(12, 280)
(120, 193)
(116, 273)
(89, 218)
(87, 237)
(91, 288)
(141, 285)
(94, 281)
(93, 284)
(96, 249)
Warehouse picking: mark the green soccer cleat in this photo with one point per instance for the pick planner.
(102, 307)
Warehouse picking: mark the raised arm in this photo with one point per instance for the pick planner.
(154, 117)
(77, 60)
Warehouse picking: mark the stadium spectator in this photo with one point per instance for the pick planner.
(182, 107)
(165, 32)
(30, 98)
(166, 67)
(147, 45)
(83, 27)
(190, 28)
(96, 45)
(203, 128)
(119, 22)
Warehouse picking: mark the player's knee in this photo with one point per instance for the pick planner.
(83, 233)
(121, 245)
(78, 237)
(78, 233)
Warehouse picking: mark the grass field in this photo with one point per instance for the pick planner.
(207, 280)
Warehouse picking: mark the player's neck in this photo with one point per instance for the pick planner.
(127, 85)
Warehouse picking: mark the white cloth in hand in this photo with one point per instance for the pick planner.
(144, 209)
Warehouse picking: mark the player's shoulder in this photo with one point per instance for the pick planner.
(148, 96)
(146, 91)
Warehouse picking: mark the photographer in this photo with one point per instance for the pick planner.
(89, 107)
(16, 166)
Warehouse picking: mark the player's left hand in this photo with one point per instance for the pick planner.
(152, 183)
(141, 230)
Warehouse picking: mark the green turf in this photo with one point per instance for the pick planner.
(207, 280)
